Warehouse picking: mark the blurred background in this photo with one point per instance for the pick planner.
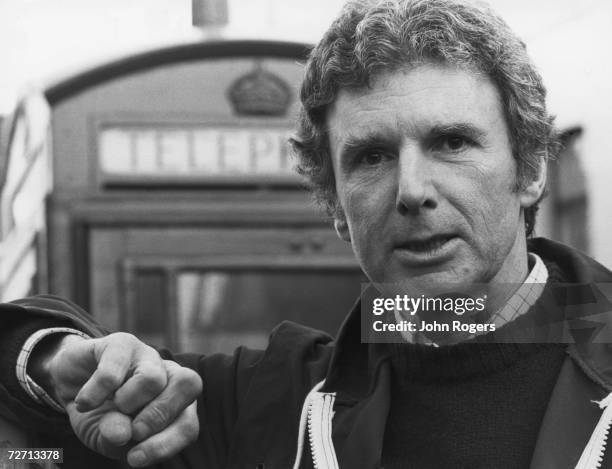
(144, 172)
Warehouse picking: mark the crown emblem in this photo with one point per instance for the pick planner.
(260, 93)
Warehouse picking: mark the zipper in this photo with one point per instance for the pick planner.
(593, 453)
(317, 414)
(320, 414)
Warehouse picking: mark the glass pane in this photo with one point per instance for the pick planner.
(115, 151)
(219, 310)
(150, 322)
(206, 151)
(236, 152)
(174, 151)
(146, 151)
(266, 152)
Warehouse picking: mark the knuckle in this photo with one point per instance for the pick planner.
(190, 430)
(156, 417)
(108, 379)
(150, 387)
(160, 450)
(122, 337)
(189, 383)
(150, 350)
(153, 379)
(197, 382)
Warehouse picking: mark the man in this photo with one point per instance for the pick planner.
(424, 132)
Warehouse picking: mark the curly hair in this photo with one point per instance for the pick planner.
(371, 37)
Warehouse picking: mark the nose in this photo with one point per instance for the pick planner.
(415, 188)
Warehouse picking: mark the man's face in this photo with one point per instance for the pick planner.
(426, 178)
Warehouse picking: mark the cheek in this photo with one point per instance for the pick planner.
(366, 215)
(488, 203)
(495, 224)
(366, 203)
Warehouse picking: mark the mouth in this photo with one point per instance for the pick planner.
(427, 251)
(427, 245)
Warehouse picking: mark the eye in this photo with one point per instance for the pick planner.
(373, 157)
(455, 142)
(451, 143)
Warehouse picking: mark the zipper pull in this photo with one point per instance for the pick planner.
(593, 453)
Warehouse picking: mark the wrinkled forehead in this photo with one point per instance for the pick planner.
(373, 76)
(454, 91)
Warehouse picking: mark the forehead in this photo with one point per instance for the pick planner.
(411, 101)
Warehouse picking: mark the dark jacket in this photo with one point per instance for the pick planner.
(254, 401)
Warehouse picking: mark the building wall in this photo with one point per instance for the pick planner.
(572, 56)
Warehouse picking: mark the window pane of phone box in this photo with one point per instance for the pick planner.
(219, 310)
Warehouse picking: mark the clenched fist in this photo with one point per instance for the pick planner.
(122, 399)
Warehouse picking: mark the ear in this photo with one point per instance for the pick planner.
(531, 193)
(342, 229)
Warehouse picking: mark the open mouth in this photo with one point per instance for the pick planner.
(427, 245)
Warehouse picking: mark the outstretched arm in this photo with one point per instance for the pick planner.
(121, 397)
(226, 378)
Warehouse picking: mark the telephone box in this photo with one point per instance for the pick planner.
(158, 193)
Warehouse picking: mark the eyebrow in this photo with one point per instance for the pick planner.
(461, 128)
(353, 143)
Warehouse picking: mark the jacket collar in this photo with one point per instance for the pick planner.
(353, 366)
(570, 418)
(585, 299)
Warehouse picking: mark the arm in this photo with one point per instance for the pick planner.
(117, 390)
(83, 373)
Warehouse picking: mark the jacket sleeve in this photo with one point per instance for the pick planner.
(226, 380)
